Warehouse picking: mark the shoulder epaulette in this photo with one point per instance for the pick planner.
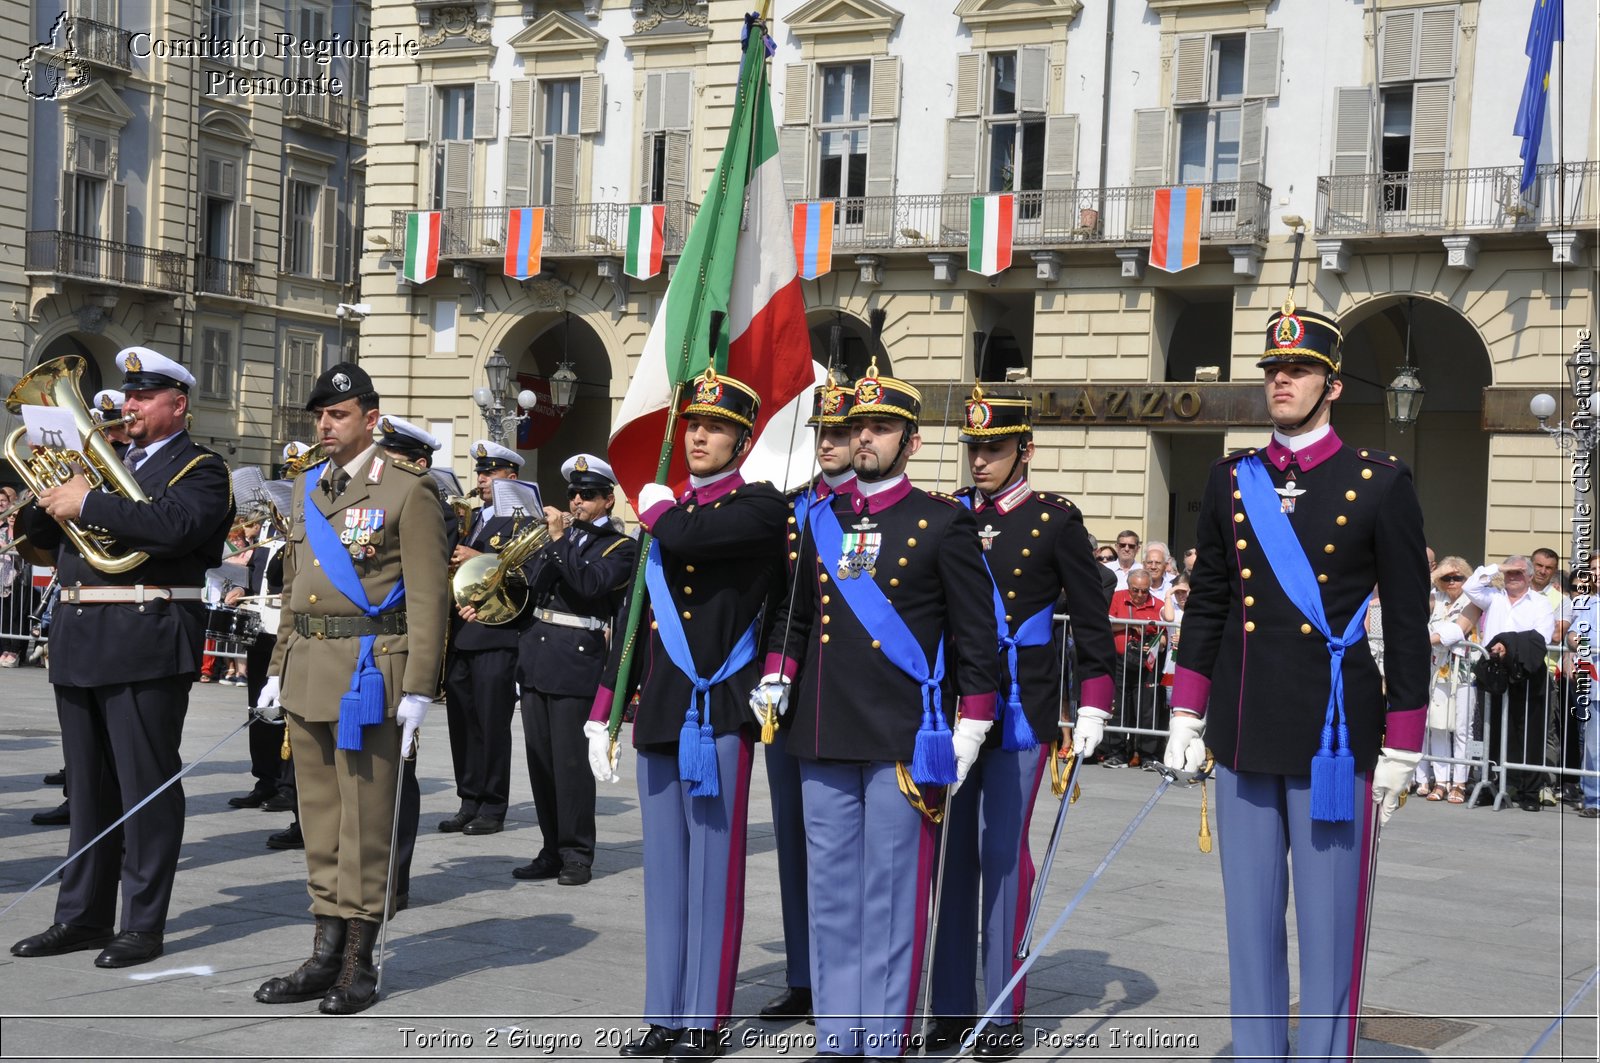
(204, 454)
(1237, 454)
(409, 466)
(1379, 457)
(620, 540)
(1059, 501)
(947, 499)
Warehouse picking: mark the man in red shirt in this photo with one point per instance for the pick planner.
(1138, 653)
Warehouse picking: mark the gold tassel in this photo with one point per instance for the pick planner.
(283, 753)
(1061, 770)
(1205, 821)
(913, 795)
(769, 726)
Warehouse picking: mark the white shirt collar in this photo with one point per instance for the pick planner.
(835, 479)
(1295, 444)
(151, 448)
(869, 489)
(698, 482)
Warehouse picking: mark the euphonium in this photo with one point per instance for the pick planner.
(464, 507)
(304, 460)
(493, 584)
(55, 383)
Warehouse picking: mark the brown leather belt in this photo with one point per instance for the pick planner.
(137, 594)
(350, 627)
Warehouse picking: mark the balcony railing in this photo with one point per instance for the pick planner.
(323, 109)
(100, 44)
(294, 421)
(219, 276)
(590, 230)
(91, 259)
(1486, 199)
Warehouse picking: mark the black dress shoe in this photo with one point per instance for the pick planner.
(279, 802)
(483, 825)
(56, 817)
(539, 868)
(575, 875)
(792, 1004)
(1000, 1042)
(131, 947)
(696, 1043)
(56, 778)
(943, 1032)
(456, 822)
(1528, 804)
(252, 799)
(655, 1042)
(62, 938)
(287, 839)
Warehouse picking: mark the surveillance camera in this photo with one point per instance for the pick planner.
(353, 310)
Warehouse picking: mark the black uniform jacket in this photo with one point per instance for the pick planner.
(849, 701)
(1037, 549)
(1264, 667)
(721, 558)
(489, 537)
(183, 528)
(589, 580)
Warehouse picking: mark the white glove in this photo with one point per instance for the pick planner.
(1391, 779)
(968, 736)
(268, 706)
(772, 692)
(412, 711)
(1088, 731)
(1186, 746)
(650, 494)
(600, 762)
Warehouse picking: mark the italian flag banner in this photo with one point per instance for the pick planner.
(735, 300)
(422, 246)
(989, 233)
(647, 228)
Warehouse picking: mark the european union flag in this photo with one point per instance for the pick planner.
(1543, 33)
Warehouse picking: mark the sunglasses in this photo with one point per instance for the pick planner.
(1127, 546)
(588, 494)
(1452, 578)
(1109, 555)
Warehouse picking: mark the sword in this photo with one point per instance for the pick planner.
(933, 926)
(394, 840)
(1049, 860)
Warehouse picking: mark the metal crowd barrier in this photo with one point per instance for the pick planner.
(1551, 734)
(24, 592)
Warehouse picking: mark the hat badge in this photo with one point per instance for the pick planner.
(707, 392)
(132, 363)
(869, 392)
(832, 400)
(388, 426)
(107, 404)
(482, 451)
(581, 465)
(341, 381)
(1289, 331)
(980, 415)
(293, 450)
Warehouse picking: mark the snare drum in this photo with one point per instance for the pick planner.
(231, 632)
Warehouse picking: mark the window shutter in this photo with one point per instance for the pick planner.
(1033, 79)
(591, 104)
(885, 106)
(1352, 150)
(1190, 62)
(521, 107)
(250, 30)
(961, 155)
(654, 89)
(1252, 150)
(1149, 146)
(1263, 50)
(793, 144)
(485, 110)
(1436, 43)
(330, 232)
(677, 99)
(1397, 47)
(675, 185)
(797, 94)
(418, 112)
(564, 171)
(1430, 126)
(457, 173)
(969, 84)
(519, 172)
(1061, 152)
(244, 233)
(68, 197)
(118, 227)
(883, 139)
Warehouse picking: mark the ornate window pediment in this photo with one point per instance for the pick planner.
(981, 12)
(817, 18)
(99, 104)
(557, 33)
(669, 17)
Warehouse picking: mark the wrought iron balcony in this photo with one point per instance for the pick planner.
(219, 276)
(1486, 199)
(293, 421)
(583, 230)
(321, 109)
(99, 44)
(88, 258)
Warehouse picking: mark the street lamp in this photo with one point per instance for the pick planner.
(1405, 392)
(1576, 435)
(500, 416)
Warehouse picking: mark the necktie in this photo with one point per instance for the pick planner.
(133, 458)
(337, 483)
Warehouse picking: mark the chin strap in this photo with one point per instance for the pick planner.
(1327, 386)
(905, 441)
(738, 452)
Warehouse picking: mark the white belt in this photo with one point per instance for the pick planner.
(137, 594)
(587, 623)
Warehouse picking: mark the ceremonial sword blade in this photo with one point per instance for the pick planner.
(394, 839)
(1049, 861)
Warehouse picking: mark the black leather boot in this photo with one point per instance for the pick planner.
(357, 987)
(316, 976)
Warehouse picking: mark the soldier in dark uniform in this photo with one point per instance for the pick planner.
(1037, 553)
(480, 677)
(125, 649)
(829, 402)
(107, 408)
(892, 592)
(1292, 538)
(715, 562)
(575, 588)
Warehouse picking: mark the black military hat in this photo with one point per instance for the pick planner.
(713, 394)
(338, 383)
(830, 401)
(884, 396)
(1301, 336)
(991, 417)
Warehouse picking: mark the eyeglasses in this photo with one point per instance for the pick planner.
(1127, 546)
(1109, 555)
(1453, 578)
(588, 494)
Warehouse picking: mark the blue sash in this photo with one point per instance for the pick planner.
(365, 702)
(933, 760)
(1333, 767)
(697, 749)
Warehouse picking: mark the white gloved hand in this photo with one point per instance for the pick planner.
(650, 494)
(1392, 778)
(268, 706)
(1186, 746)
(968, 736)
(600, 762)
(1087, 732)
(771, 692)
(412, 711)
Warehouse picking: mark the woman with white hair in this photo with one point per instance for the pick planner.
(1452, 625)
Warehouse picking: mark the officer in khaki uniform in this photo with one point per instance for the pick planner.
(359, 519)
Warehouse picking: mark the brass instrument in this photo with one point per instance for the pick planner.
(22, 500)
(55, 383)
(255, 511)
(464, 506)
(312, 455)
(493, 584)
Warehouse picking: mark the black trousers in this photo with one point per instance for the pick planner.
(1525, 738)
(266, 739)
(480, 695)
(121, 743)
(558, 769)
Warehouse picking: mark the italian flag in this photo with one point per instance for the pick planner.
(422, 246)
(989, 234)
(647, 227)
(744, 280)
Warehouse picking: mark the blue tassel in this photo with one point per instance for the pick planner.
(1333, 779)
(933, 761)
(372, 699)
(708, 782)
(689, 748)
(349, 736)
(1018, 736)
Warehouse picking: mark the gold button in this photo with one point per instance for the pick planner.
(822, 577)
(1008, 618)
(1238, 518)
(1305, 629)
(654, 625)
(690, 568)
(1341, 520)
(1249, 625)
(686, 614)
(826, 598)
(1328, 549)
(316, 563)
(894, 582)
(1237, 494)
(1036, 533)
(1044, 516)
(1366, 474)
(793, 556)
(1249, 599)
(1363, 453)
(1322, 577)
(1026, 552)
(1349, 496)
(1244, 573)
(1241, 543)
(911, 542)
(320, 635)
(824, 636)
(688, 590)
(791, 519)
(875, 643)
(1016, 572)
(312, 599)
(1393, 458)
(922, 524)
(1011, 594)
(826, 619)
(904, 562)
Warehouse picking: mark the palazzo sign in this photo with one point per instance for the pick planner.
(1186, 405)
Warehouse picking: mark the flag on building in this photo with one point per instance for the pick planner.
(813, 238)
(524, 242)
(989, 233)
(740, 277)
(422, 246)
(1175, 235)
(1545, 33)
(647, 230)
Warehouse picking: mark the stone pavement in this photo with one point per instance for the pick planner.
(1485, 925)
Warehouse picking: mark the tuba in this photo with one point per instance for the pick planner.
(55, 383)
(493, 584)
